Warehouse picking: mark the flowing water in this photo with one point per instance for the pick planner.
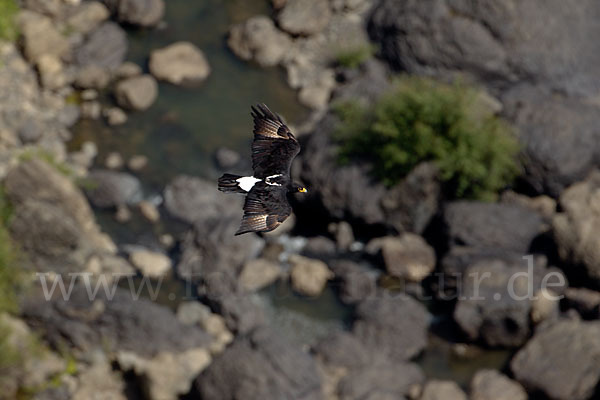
(180, 132)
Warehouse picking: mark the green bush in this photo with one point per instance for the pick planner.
(8, 12)
(423, 120)
(354, 56)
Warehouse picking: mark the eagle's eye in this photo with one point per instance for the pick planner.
(302, 190)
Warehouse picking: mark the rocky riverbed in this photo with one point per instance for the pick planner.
(131, 284)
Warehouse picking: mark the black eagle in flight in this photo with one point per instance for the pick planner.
(273, 150)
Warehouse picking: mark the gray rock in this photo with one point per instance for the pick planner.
(120, 323)
(257, 39)
(575, 229)
(585, 301)
(308, 276)
(492, 225)
(137, 162)
(226, 158)
(442, 390)
(145, 13)
(52, 73)
(489, 384)
(382, 381)
(128, 70)
(407, 256)
(319, 247)
(31, 131)
(241, 312)
(150, 263)
(392, 325)
(342, 349)
(137, 93)
(115, 116)
(561, 361)
(87, 16)
(52, 220)
(354, 282)
(179, 63)
(110, 188)
(106, 47)
(262, 366)
(496, 300)
(304, 17)
(259, 273)
(92, 77)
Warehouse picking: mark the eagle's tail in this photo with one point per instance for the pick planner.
(229, 183)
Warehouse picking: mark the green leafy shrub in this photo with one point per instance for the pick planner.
(354, 56)
(423, 120)
(8, 12)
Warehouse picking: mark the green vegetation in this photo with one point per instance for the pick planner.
(47, 157)
(423, 120)
(8, 27)
(355, 56)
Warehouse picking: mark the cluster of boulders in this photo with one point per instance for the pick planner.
(383, 252)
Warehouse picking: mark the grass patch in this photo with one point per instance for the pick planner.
(424, 120)
(47, 157)
(355, 56)
(8, 26)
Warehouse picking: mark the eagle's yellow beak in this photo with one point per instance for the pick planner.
(302, 190)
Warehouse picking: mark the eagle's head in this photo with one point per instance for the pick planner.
(297, 188)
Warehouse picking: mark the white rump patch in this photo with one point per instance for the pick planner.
(247, 182)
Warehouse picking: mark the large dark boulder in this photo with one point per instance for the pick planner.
(508, 41)
(118, 323)
(394, 325)
(492, 225)
(137, 12)
(496, 299)
(111, 188)
(561, 361)
(261, 366)
(105, 47)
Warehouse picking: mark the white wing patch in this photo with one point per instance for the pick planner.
(247, 182)
(268, 180)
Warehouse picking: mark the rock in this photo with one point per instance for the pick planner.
(150, 263)
(137, 93)
(52, 221)
(442, 390)
(485, 41)
(146, 13)
(304, 17)
(585, 301)
(317, 96)
(262, 366)
(149, 211)
(137, 162)
(561, 361)
(89, 95)
(106, 46)
(128, 70)
(91, 109)
(123, 214)
(242, 312)
(110, 188)
(179, 63)
(319, 247)
(257, 39)
(51, 72)
(120, 322)
(344, 236)
(492, 225)
(382, 381)
(408, 256)
(544, 205)
(190, 199)
(377, 326)
(31, 131)
(226, 158)
(99, 378)
(114, 116)
(309, 276)
(496, 299)
(544, 306)
(167, 375)
(575, 227)
(342, 349)
(40, 37)
(489, 384)
(259, 273)
(195, 313)
(87, 16)
(546, 125)
(354, 282)
(92, 77)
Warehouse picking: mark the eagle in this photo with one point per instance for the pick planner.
(273, 149)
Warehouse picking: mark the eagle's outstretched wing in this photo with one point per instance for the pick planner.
(266, 207)
(274, 146)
